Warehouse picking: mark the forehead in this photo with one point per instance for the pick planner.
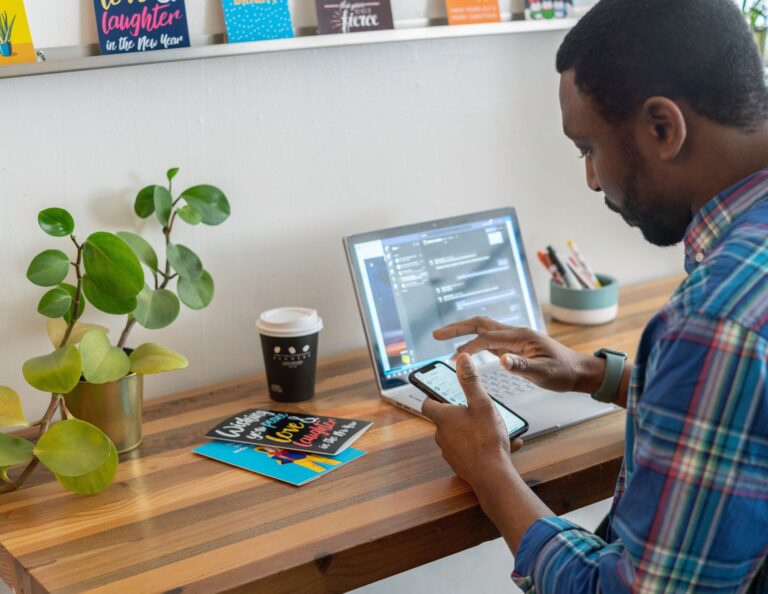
(580, 116)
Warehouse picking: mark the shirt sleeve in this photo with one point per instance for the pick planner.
(694, 514)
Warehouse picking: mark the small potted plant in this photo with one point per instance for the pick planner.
(6, 31)
(95, 385)
(756, 13)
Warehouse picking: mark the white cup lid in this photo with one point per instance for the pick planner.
(289, 321)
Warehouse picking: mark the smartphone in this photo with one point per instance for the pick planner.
(438, 380)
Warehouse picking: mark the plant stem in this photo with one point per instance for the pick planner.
(43, 423)
(124, 336)
(78, 292)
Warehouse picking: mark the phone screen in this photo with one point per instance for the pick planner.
(442, 380)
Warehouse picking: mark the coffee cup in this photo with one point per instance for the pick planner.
(289, 343)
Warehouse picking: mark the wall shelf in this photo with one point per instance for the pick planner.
(70, 59)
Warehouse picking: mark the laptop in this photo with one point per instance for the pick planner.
(414, 279)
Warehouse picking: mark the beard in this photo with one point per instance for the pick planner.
(661, 218)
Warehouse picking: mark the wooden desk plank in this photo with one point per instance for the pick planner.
(176, 521)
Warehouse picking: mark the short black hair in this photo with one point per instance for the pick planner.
(700, 51)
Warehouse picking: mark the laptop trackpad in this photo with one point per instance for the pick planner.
(549, 411)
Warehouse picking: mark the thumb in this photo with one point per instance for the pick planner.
(520, 365)
(470, 381)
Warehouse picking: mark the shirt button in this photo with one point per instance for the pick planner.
(698, 257)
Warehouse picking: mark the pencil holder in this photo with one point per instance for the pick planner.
(587, 307)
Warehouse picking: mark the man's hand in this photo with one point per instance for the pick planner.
(474, 439)
(535, 356)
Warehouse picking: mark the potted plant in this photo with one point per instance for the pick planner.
(756, 13)
(95, 385)
(6, 31)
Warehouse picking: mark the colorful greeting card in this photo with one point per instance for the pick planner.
(349, 16)
(296, 468)
(127, 26)
(293, 431)
(255, 20)
(471, 12)
(15, 38)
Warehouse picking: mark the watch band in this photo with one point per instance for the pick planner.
(608, 391)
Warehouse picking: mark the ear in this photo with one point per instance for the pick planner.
(663, 127)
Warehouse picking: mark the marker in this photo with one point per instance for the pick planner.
(583, 263)
(579, 274)
(570, 280)
(556, 276)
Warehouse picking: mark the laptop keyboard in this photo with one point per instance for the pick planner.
(502, 384)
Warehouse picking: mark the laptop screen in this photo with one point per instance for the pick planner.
(412, 280)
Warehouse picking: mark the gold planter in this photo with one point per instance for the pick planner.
(115, 408)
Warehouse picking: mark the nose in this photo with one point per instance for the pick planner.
(591, 177)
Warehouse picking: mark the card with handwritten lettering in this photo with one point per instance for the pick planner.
(127, 26)
(256, 20)
(296, 468)
(470, 12)
(15, 39)
(350, 16)
(290, 431)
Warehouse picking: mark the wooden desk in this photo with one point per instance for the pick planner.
(174, 521)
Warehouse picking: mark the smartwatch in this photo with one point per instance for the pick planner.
(608, 391)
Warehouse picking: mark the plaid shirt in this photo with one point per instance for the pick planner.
(690, 511)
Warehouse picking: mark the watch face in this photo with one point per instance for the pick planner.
(604, 352)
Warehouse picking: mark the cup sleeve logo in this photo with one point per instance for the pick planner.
(277, 350)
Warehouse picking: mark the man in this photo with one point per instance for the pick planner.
(666, 102)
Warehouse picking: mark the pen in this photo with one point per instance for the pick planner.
(583, 263)
(570, 280)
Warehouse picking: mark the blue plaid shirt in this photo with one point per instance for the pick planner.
(690, 511)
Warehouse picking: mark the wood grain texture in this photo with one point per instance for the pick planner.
(174, 521)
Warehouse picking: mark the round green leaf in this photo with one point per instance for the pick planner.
(55, 303)
(184, 261)
(95, 481)
(189, 215)
(105, 302)
(11, 413)
(57, 328)
(58, 372)
(210, 202)
(156, 309)
(153, 358)
(196, 294)
(102, 362)
(112, 265)
(48, 268)
(14, 450)
(72, 291)
(171, 173)
(73, 448)
(145, 202)
(56, 221)
(140, 247)
(163, 204)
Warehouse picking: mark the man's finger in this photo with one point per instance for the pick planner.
(522, 365)
(515, 445)
(513, 339)
(470, 381)
(432, 409)
(471, 326)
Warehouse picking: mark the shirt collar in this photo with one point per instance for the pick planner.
(718, 214)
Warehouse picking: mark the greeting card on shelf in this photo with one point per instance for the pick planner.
(15, 38)
(349, 16)
(127, 26)
(256, 20)
(471, 12)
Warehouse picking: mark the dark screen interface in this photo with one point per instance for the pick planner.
(416, 283)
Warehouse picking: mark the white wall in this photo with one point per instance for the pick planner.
(309, 146)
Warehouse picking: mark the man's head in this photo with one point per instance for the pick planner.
(646, 88)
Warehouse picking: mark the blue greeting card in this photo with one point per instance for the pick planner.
(296, 468)
(126, 26)
(255, 20)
